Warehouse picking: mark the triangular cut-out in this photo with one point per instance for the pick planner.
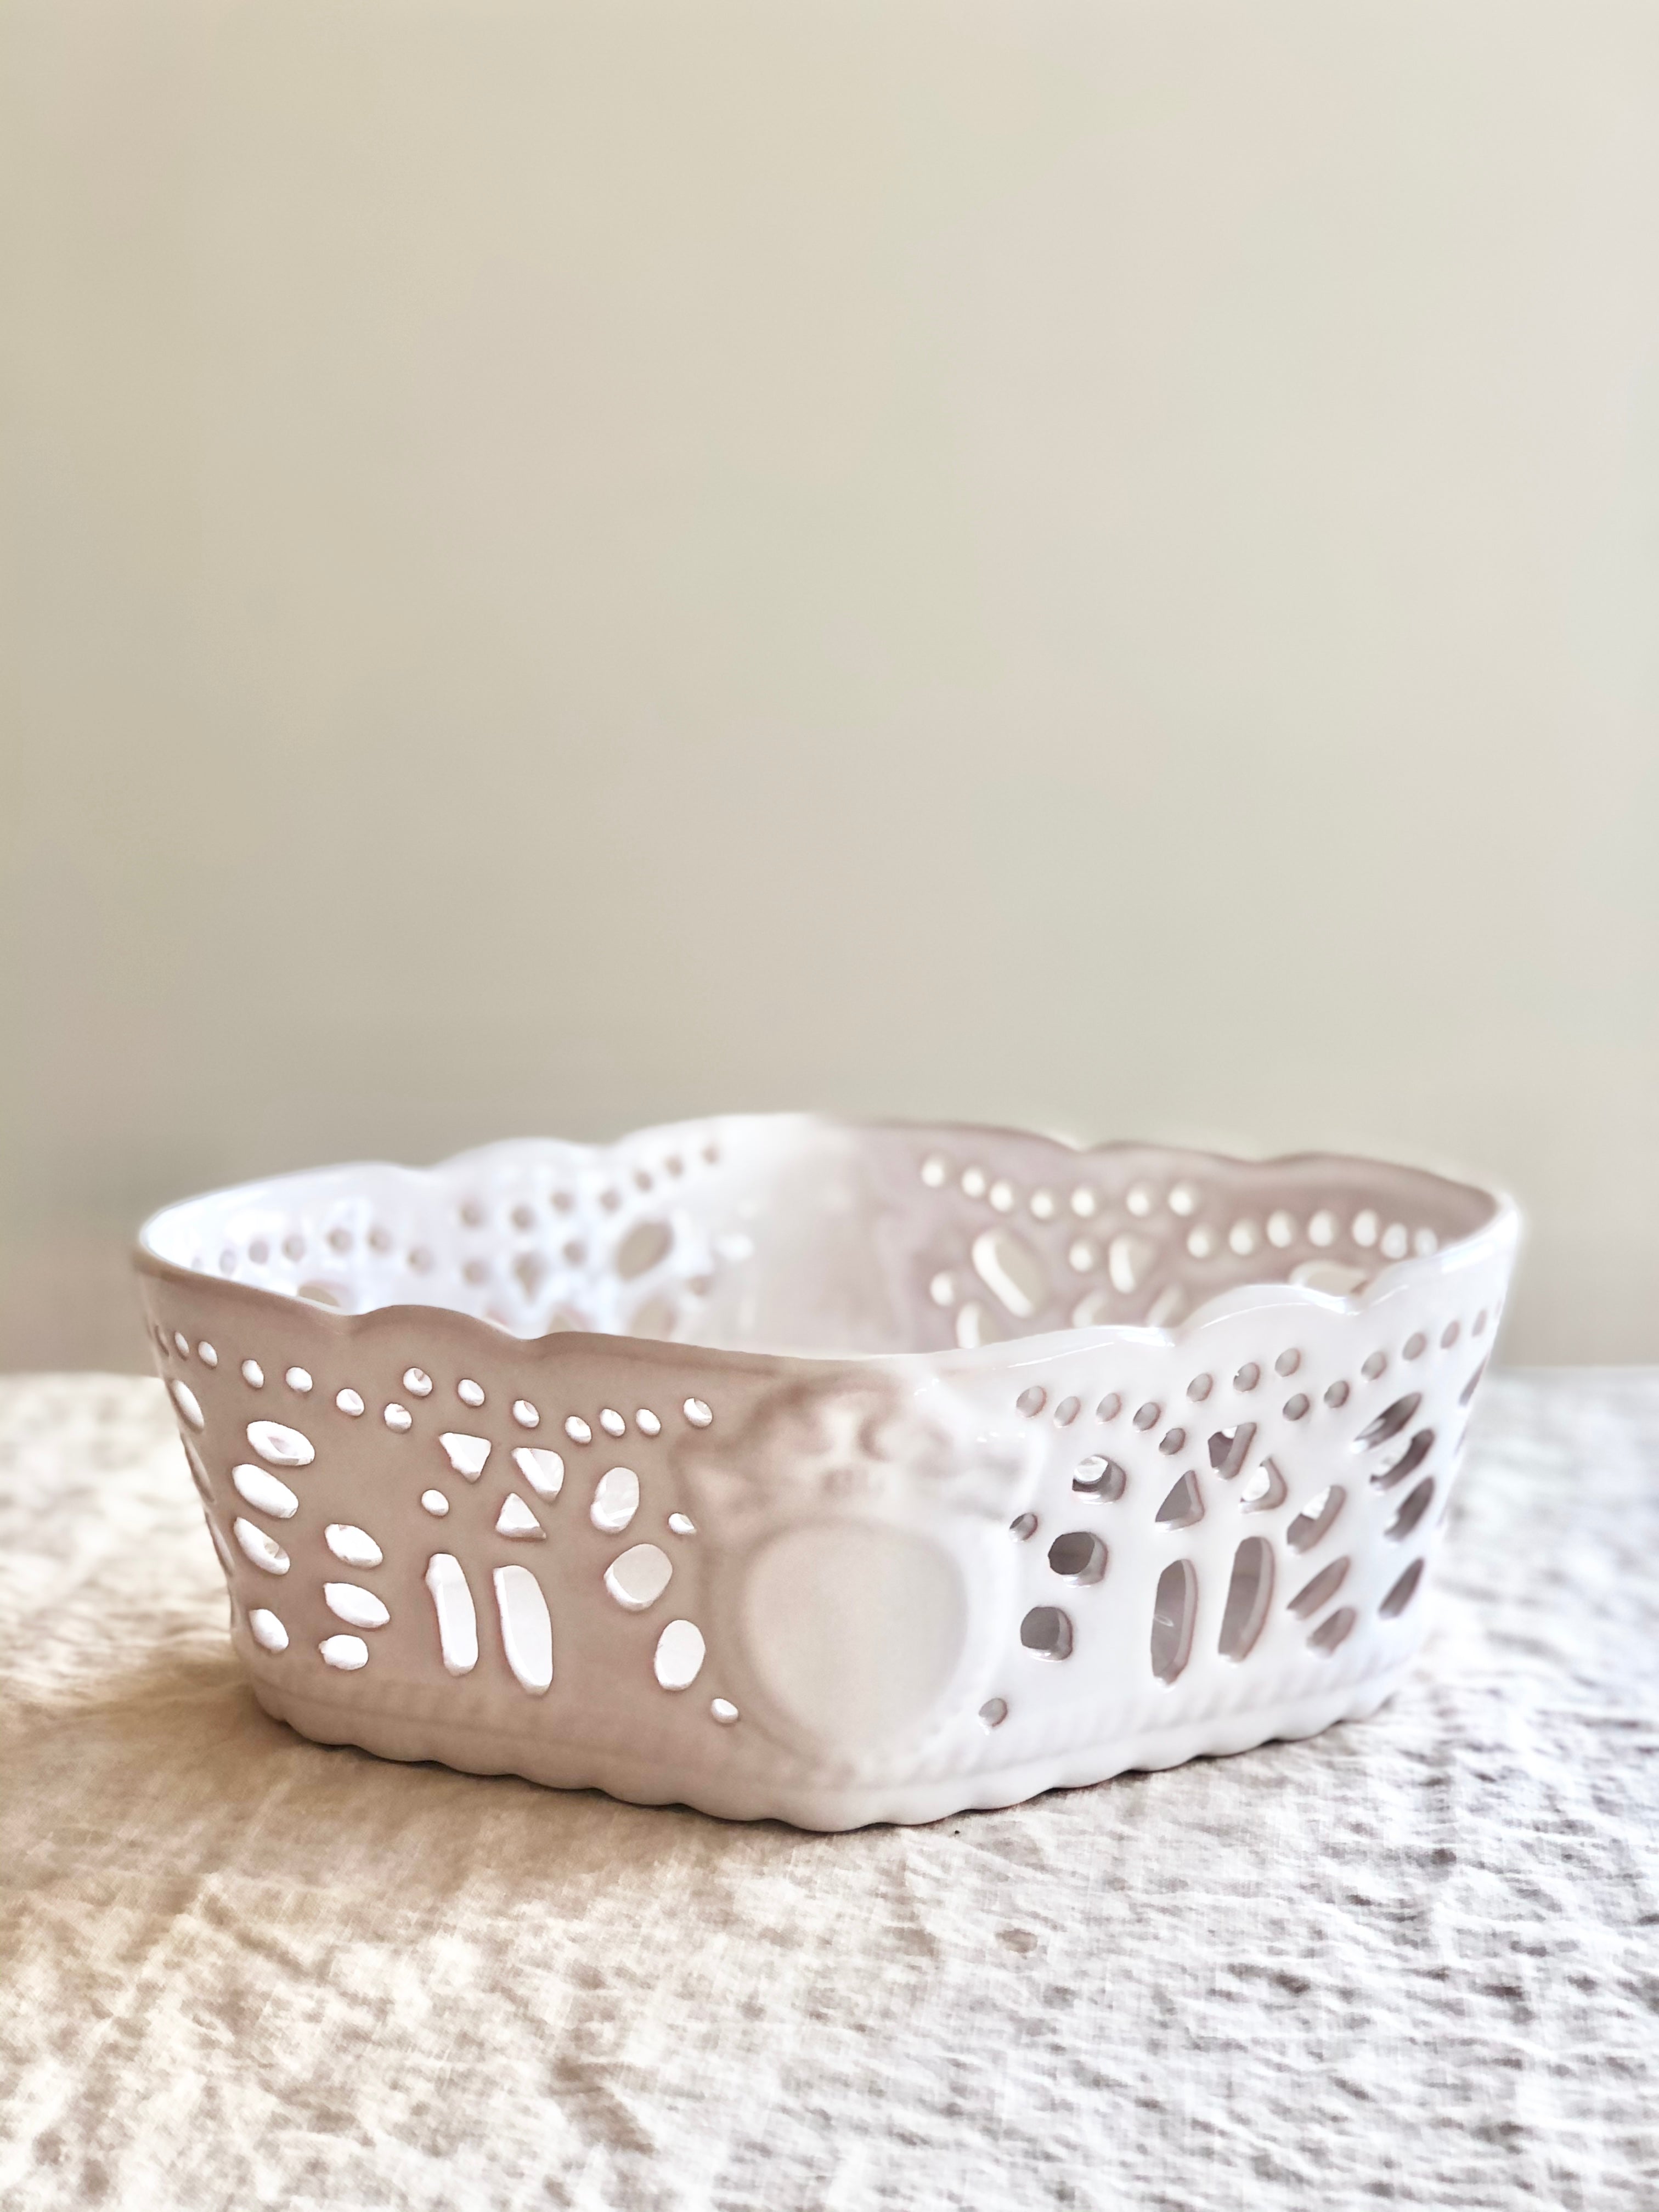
(516, 1519)
(1184, 1504)
(467, 1455)
(1266, 1489)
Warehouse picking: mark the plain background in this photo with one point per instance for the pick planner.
(570, 564)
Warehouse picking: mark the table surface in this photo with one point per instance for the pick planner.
(1412, 1961)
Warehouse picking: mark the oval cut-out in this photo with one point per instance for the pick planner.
(1334, 1277)
(1249, 1593)
(467, 1455)
(1409, 1462)
(435, 1503)
(357, 1607)
(679, 1655)
(282, 1446)
(526, 1627)
(185, 1399)
(543, 1470)
(264, 1551)
(1316, 1519)
(347, 1653)
(1174, 1607)
(1011, 1271)
(1128, 1259)
(264, 1493)
(458, 1623)
(269, 1632)
(856, 1630)
(1047, 1632)
(637, 1577)
(1390, 1422)
(1412, 1511)
(646, 1244)
(616, 1500)
(1321, 1590)
(353, 1547)
(1335, 1630)
(1403, 1591)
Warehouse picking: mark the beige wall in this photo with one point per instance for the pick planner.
(569, 564)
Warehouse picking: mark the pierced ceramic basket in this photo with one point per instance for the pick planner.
(782, 1467)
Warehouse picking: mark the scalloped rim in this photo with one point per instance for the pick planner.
(1499, 1235)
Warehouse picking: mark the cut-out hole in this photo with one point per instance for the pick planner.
(1336, 1394)
(1287, 1362)
(210, 1358)
(1140, 1200)
(942, 1289)
(681, 1524)
(451, 1602)
(1472, 1385)
(647, 1422)
(1083, 1255)
(253, 1375)
(647, 1244)
(723, 1710)
(993, 1712)
(334, 1296)
(973, 1182)
(1449, 1336)
(1201, 1242)
(1336, 1278)
(353, 1546)
(1247, 1377)
(679, 1655)
(1183, 1198)
(1109, 1406)
(1244, 1237)
(269, 1632)
(515, 1520)
(698, 1412)
(1128, 1259)
(1174, 1608)
(1403, 1592)
(526, 1414)
(1047, 1632)
(357, 1607)
(1100, 1477)
(1149, 1415)
(1412, 1511)
(1031, 1402)
(613, 1422)
(935, 1172)
(1084, 1203)
(1374, 1363)
(543, 1470)
(185, 1398)
(298, 1380)
(264, 1551)
(399, 1419)
(578, 1430)
(469, 1392)
(1011, 1271)
(1365, 1228)
(347, 1653)
(531, 1270)
(1390, 1422)
(417, 1382)
(1249, 1593)
(1093, 1310)
(974, 1326)
(349, 1401)
(1078, 1557)
(1172, 1442)
(1316, 1519)
(1337, 1630)
(1322, 1230)
(435, 1503)
(1265, 1491)
(1396, 1242)
(1409, 1462)
(1295, 1408)
(526, 1627)
(1199, 1387)
(1184, 1506)
(1168, 1307)
(1281, 1229)
(616, 1500)
(638, 1577)
(1414, 1346)
(467, 1455)
(1318, 1593)
(1024, 1526)
(1231, 1448)
(1066, 1412)
(264, 1493)
(280, 1445)
(1042, 1205)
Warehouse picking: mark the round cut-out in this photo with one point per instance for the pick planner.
(269, 1632)
(526, 1414)
(349, 1401)
(698, 1412)
(679, 1655)
(1047, 1632)
(264, 1493)
(399, 1419)
(347, 1653)
(282, 1446)
(638, 1576)
(352, 1545)
(417, 1382)
(1079, 1556)
(855, 1629)
(298, 1380)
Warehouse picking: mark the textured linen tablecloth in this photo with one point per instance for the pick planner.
(1415, 1961)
